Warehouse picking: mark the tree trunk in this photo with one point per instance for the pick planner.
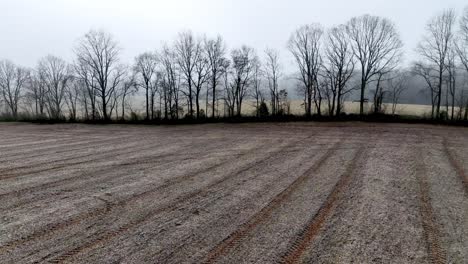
(190, 97)
(197, 104)
(361, 105)
(439, 92)
(214, 97)
(147, 102)
(338, 105)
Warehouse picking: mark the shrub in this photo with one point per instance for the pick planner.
(263, 110)
(134, 116)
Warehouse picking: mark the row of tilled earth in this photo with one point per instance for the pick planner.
(234, 193)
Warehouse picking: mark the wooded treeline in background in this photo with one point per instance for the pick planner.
(197, 77)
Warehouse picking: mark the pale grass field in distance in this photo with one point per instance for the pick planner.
(297, 108)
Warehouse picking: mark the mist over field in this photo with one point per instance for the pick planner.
(173, 60)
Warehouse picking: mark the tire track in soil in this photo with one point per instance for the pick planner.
(31, 139)
(109, 235)
(80, 155)
(129, 162)
(192, 237)
(102, 211)
(26, 144)
(36, 145)
(79, 146)
(190, 204)
(90, 140)
(58, 183)
(92, 174)
(102, 156)
(237, 236)
(456, 165)
(437, 254)
(307, 235)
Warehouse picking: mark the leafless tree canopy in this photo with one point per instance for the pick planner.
(170, 83)
(273, 74)
(198, 76)
(376, 45)
(56, 75)
(462, 43)
(242, 67)
(304, 45)
(218, 64)
(434, 49)
(145, 68)
(189, 52)
(98, 54)
(13, 80)
(257, 90)
(338, 68)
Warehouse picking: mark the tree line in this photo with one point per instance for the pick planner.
(196, 76)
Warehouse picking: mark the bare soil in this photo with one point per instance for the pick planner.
(234, 193)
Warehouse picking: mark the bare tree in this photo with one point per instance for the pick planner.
(229, 96)
(284, 107)
(451, 80)
(145, 69)
(125, 85)
(98, 53)
(257, 91)
(242, 64)
(56, 75)
(116, 82)
(201, 77)
(462, 51)
(429, 74)
(188, 51)
(462, 40)
(218, 63)
(273, 73)
(339, 67)
(376, 45)
(73, 92)
(84, 74)
(381, 90)
(397, 84)
(435, 46)
(129, 88)
(13, 79)
(304, 44)
(154, 91)
(37, 92)
(170, 83)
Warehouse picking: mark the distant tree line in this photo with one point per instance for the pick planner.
(196, 77)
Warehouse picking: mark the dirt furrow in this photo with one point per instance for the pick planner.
(6, 148)
(233, 239)
(435, 250)
(223, 195)
(456, 165)
(101, 211)
(95, 157)
(91, 172)
(111, 234)
(114, 174)
(22, 156)
(233, 193)
(304, 238)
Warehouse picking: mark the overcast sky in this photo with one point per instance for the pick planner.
(31, 29)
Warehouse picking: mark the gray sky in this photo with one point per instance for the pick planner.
(31, 29)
